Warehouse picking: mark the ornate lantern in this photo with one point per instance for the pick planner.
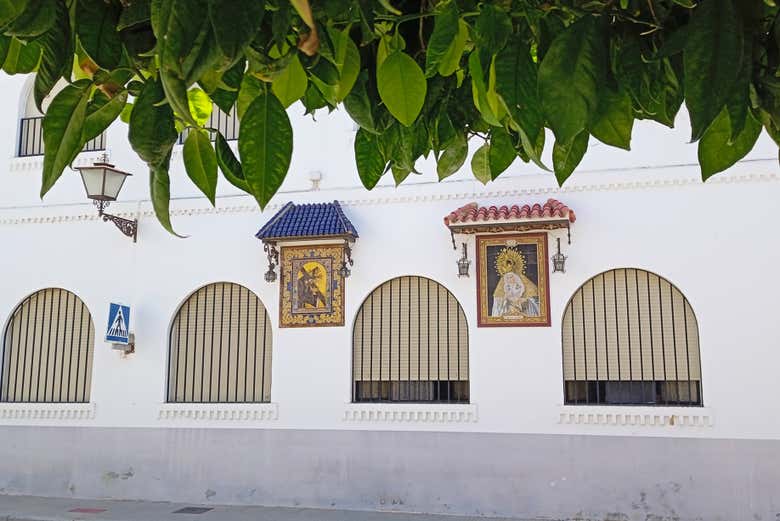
(559, 260)
(464, 263)
(103, 182)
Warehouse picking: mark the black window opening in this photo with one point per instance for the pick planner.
(31, 138)
(220, 348)
(410, 344)
(630, 337)
(48, 349)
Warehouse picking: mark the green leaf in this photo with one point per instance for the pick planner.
(56, 57)
(160, 191)
(10, 9)
(199, 105)
(235, 23)
(445, 29)
(22, 58)
(400, 173)
(453, 157)
(250, 89)
(501, 153)
(230, 166)
(450, 62)
(360, 106)
(134, 13)
(180, 27)
(225, 96)
(480, 164)
(516, 85)
(483, 89)
(615, 121)
(200, 162)
(96, 27)
(346, 61)
(402, 87)
(101, 115)
(492, 28)
(265, 145)
(712, 60)
(63, 127)
(571, 76)
(290, 85)
(152, 132)
(176, 93)
(38, 17)
(567, 156)
(717, 150)
(368, 157)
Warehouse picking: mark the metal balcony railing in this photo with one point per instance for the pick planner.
(31, 138)
(227, 124)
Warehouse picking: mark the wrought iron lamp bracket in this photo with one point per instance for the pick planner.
(127, 226)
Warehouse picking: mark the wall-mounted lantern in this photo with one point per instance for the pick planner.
(273, 261)
(344, 270)
(464, 263)
(103, 183)
(559, 260)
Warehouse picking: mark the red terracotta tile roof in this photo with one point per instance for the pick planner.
(473, 213)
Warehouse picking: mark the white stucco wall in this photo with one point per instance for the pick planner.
(646, 208)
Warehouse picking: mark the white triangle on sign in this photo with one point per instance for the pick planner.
(118, 328)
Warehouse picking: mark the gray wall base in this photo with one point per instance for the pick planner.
(550, 476)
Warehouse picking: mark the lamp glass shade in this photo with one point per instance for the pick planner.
(102, 182)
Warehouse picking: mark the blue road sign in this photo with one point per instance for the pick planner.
(118, 331)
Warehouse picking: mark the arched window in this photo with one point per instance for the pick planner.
(220, 347)
(410, 344)
(31, 126)
(47, 349)
(630, 338)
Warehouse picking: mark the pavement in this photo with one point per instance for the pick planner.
(28, 508)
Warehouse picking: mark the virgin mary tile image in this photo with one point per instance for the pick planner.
(512, 280)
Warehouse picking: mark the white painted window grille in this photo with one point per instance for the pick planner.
(220, 348)
(630, 337)
(47, 350)
(410, 344)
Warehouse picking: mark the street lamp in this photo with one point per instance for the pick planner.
(559, 260)
(463, 263)
(102, 183)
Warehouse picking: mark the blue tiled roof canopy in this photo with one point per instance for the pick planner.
(296, 221)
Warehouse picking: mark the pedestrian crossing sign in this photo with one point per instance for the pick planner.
(118, 331)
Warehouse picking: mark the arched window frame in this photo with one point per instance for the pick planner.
(57, 337)
(180, 387)
(29, 137)
(655, 299)
(392, 390)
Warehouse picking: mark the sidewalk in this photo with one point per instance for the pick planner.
(27, 508)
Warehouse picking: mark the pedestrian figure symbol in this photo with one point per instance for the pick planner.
(118, 331)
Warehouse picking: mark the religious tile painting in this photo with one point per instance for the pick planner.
(512, 280)
(312, 290)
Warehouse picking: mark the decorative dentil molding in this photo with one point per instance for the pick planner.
(243, 204)
(251, 412)
(47, 411)
(636, 416)
(411, 413)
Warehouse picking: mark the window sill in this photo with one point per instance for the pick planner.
(620, 415)
(411, 412)
(47, 411)
(242, 412)
(22, 163)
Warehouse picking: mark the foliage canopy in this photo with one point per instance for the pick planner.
(418, 77)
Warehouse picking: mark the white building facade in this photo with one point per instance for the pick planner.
(514, 445)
